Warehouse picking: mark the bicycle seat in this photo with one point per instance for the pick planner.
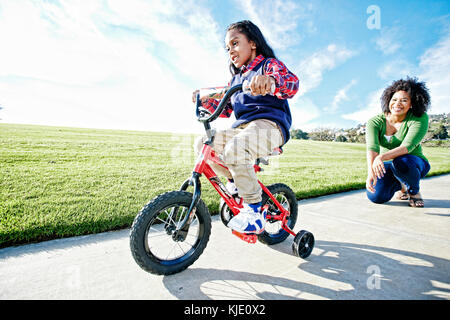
(265, 160)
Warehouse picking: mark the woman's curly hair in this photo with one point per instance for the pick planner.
(417, 91)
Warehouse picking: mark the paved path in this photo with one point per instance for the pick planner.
(363, 251)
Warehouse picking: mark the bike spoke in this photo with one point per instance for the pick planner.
(173, 248)
(275, 224)
(158, 218)
(160, 240)
(181, 217)
(169, 217)
(179, 246)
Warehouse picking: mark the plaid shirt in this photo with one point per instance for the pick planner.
(286, 83)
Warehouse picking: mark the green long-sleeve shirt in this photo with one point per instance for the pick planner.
(410, 134)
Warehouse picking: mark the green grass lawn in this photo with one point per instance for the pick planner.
(59, 182)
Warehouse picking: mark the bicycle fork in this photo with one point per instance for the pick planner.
(181, 232)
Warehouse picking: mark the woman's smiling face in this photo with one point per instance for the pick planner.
(240, 50)
(400, 103)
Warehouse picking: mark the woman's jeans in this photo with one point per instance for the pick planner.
(407, 169)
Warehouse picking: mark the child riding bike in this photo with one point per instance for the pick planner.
(263, 119)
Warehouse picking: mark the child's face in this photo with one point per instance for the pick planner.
(240, 50)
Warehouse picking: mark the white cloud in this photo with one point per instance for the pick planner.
(389, 40)
(341, 95)
(310, 73)
(303, 111)
(396, 69)
(435, 71)
(188, 31)
(278, 20)
(60, 64)
(311, 70)
(373, 107)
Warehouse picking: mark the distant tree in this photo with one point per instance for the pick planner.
(341, 138)
(352, 135)
(299, 134)
(440, 132)
(322, 134)
(360, 138)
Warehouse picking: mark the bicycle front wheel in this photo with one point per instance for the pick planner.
(154, 242)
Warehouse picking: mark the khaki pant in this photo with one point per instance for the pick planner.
(239, 148)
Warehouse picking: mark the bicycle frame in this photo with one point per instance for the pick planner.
(203, 168)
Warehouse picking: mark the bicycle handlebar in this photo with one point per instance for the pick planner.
(219, 108)
(244, 87)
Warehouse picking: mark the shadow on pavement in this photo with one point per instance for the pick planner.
(429, 203)
(357, 272)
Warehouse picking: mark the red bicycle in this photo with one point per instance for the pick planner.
(173, 229)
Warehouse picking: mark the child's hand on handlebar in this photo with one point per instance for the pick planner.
(215, 93)
(194, 95)
(262, 85)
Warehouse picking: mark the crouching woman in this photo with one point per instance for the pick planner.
(395, 159)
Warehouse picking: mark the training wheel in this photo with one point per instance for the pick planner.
(303, 244)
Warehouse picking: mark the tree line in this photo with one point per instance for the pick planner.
(438, 129)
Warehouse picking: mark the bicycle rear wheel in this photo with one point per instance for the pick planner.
(274, 233)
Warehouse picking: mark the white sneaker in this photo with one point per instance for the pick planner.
(248, 220)
(231, 187)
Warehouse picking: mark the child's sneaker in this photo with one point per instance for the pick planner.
(231, 187)
(249, 219)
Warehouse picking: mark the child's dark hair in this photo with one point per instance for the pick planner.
(252, 32)
(417, 91)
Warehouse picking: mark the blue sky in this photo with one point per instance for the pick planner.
(133, 64)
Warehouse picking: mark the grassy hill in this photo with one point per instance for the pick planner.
(58, 182)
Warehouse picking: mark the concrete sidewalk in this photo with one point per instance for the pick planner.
(362, 251)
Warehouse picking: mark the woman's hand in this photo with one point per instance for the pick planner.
(372, 162)
(371, 182)
(378, 167)
(261, 85)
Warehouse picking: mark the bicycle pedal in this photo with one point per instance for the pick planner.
(250, 238)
